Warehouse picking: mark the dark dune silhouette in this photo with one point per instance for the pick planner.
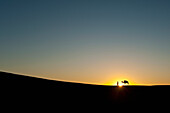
(37, 91)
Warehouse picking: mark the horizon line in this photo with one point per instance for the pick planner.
(70, 81)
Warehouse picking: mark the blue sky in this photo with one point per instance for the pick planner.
(92, 41)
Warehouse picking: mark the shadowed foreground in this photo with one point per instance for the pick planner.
(19, 89)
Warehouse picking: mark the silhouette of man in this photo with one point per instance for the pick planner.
(117, 83)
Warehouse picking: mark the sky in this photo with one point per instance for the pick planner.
(87, 41)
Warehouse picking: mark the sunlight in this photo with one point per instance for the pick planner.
(122, 83)
(113, 82)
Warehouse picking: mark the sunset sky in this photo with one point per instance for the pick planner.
(88, 41)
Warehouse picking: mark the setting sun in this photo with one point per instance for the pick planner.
(121, 83)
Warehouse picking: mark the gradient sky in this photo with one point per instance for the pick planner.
(89, 41)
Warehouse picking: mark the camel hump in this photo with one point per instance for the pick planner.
(125, 81)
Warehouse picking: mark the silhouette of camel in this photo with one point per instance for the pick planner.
(125, 82)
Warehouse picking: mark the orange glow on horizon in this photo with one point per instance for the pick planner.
(114, 82)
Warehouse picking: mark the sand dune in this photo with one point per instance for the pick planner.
(37, 91)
